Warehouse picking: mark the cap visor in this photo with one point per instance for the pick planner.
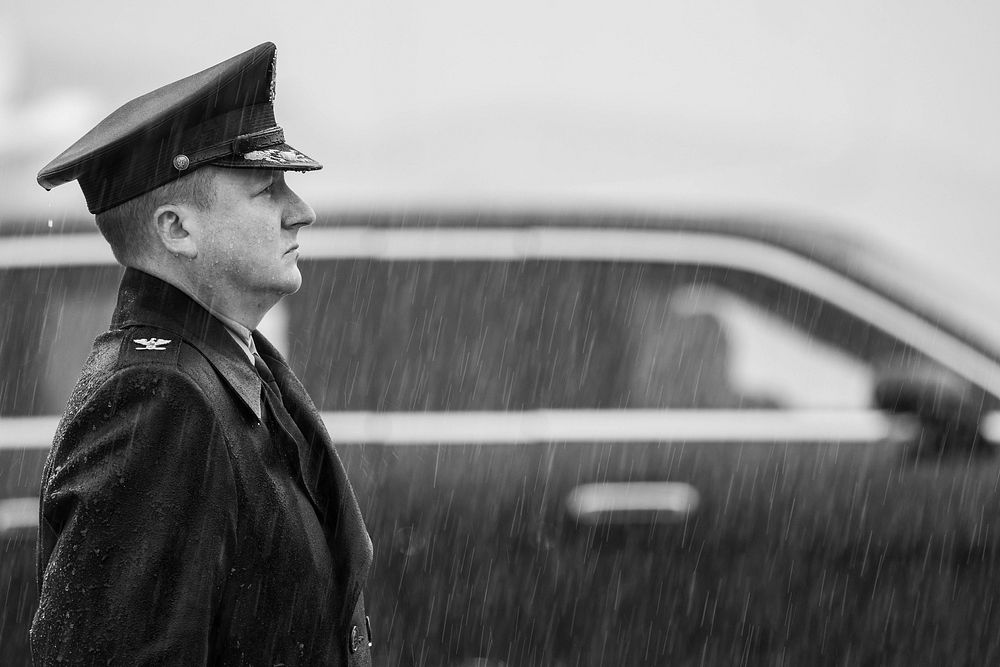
(282, 157)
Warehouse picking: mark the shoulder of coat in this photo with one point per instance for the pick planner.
(154, 348)
(146, 345)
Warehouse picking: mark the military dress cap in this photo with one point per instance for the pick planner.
(222, 116)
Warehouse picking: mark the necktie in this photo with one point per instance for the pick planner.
(265, 375)
(271, 397)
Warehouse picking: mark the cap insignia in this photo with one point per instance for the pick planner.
(274, 73)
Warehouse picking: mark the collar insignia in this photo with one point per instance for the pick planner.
(150, 343)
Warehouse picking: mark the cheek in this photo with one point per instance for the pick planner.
(245, 247)
(239, 243)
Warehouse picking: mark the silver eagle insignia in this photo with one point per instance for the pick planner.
(150, 343)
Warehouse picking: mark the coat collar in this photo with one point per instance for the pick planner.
(145, 300)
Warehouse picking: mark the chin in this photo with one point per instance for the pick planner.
(291, 283)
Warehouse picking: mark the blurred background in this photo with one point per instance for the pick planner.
(873, 118)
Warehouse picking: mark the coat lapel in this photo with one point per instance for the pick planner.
(326, 480)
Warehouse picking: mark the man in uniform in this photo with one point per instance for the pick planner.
(193, 508)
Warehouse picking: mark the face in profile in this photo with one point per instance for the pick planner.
(248, 235)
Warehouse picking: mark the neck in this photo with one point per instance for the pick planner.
(241, 312)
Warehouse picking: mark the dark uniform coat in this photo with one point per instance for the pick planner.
(183, 523)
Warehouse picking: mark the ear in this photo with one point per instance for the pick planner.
(173, 227)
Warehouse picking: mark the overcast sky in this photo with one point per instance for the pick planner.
(874, 117)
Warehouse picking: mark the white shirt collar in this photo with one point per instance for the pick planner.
(240, 334)
(246, 344)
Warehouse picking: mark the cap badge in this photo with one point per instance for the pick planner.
(182, 162)
(151, 343)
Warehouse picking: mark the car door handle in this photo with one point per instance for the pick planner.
(632, 502)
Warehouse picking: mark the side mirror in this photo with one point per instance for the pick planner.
(948, 408)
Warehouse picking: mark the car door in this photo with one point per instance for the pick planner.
(601, 460)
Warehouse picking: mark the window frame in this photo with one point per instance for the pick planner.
(564, 242)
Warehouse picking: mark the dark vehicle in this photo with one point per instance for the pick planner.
(593, 440)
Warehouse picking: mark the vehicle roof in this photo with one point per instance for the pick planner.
(817, 241)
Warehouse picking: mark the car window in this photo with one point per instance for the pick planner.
(514, 335)
(456, 335)
(706, 346)
(49, 317)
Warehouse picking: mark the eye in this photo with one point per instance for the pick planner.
(267, 189)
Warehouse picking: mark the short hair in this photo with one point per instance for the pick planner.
(126, 226)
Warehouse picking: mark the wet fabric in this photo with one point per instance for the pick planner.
(185, 521)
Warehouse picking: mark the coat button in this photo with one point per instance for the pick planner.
(356, 639)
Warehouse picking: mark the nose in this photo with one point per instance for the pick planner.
(297, 212)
